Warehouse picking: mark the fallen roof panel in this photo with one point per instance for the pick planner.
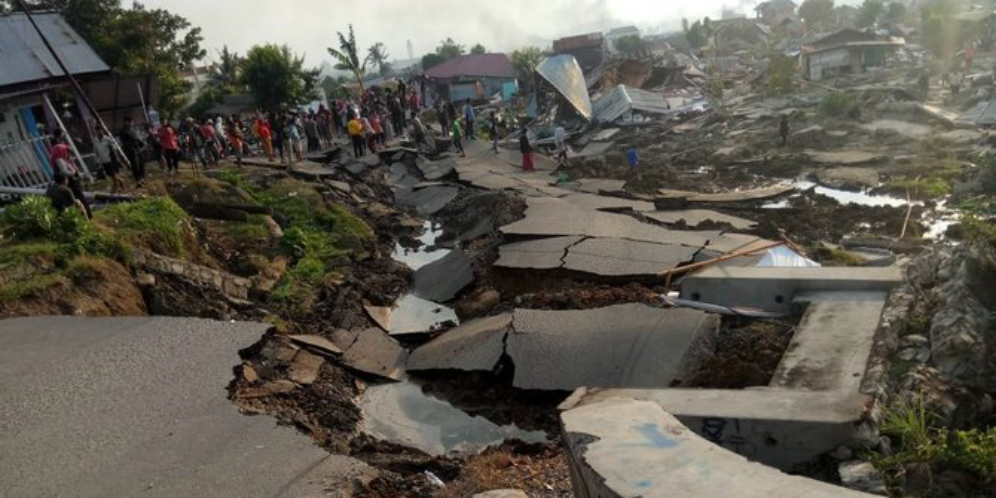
(624, 99)
(564, 73)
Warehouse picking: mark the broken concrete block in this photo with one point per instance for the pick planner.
(376, 353)
(305, 367)
(319, 343)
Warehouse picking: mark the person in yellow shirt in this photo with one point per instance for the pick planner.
(355, 129)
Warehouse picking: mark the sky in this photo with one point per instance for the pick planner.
(310, 26)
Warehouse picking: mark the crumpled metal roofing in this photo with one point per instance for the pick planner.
(564, 73)
(623, 99)
(24, 58)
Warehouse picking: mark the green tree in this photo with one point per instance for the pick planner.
(432, 60)
(781, 74)
(629, 45)
(277, 78)
(895, 13)
(478, 49)
(226, 73)
(336, 87)
(697, 35)
(449, 49)
(348, 57)
(869, 13)
(817, 13)
(377, 56)
(525, 61)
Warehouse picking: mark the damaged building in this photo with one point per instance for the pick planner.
(847, 51)
(475, 77)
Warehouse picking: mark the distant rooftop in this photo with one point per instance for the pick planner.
(484, 65)
(24, 58)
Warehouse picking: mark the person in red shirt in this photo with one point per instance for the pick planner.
(210, 142)
(171, 148)
(63, 167)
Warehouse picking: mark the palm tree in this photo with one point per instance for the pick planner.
(348, 58)
(225, 74)
(377, 55)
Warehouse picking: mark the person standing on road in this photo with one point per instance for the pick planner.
(235, 138)
(171, 148)
(458, 137)
(132, 146)
(104, 148)
(783, 129)
(62, 163)
(355, 130)
(210, 142)
(560, 143)
(469, 116)
(493, 131)
(527, 152)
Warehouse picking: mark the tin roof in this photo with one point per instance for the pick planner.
(486, 65)
(25, 59)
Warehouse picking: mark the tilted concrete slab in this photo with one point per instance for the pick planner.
(434, 170)
(442, 280)
(601, 202)
(696, 217)
(830, 348)
(375, 352)
(627, 345)
(777, 427)
(735, 196)
(427, 201)
(630, 448)
(475, 345)
(619, 257)
(773, 289)
(541, 254)
(98, 407)
(844, 156)
(596, 185)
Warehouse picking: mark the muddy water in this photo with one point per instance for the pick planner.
(417, 258)
(401, 413)
(841, 196)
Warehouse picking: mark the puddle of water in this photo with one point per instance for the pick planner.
(413, 314)
(782, 204)
(401, 413)
(939, 221)
(417, 258)
(860, 198)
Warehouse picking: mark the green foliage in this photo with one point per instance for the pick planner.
(250, 230)
(13, 291)
(977, 231)
(781, 74)
(449, 49)
(33, 217)
(935, 449)
(156, 223)
(629, 45)
(931, 187)
(895, 13)
(869, 13)
(277, 78)
(817, 13)
(525, 61)
(478, 49)
(837, 104)
(698, 34)
(377, 56)
(297, 287)
(348, 57)
(838, 257)
(432, 60)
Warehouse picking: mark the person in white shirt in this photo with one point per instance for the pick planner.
(560, 144)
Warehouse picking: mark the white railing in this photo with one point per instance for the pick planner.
(25, 164)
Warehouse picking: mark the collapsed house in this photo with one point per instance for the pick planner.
(588, 50)
(847, 51)
(475, 77)
(35, 96)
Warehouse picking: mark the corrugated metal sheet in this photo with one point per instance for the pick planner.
(624, 99)
(24, 58)
(564, 73)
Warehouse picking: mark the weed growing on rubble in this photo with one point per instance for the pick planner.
(836, 104)
(922, 446)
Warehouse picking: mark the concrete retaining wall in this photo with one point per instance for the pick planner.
(226, 283)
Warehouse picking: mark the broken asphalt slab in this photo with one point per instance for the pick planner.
(695, 217)
(475, 345)
(427, 201)
(540, 254)
(376, 353)
(734, 196)
(97, 407)
(619, 257)
(442, 280)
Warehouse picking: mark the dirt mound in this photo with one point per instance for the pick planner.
(747, 354)
(90, 287)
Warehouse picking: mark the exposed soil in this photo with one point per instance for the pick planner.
(105, 289)
(747, 354)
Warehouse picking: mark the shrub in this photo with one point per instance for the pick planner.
(836, 104)
(32, 218)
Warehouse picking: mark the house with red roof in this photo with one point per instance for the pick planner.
(475, 77)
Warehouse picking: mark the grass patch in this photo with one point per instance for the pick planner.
(246, 231)
(13, 291)
(156, 223)
(838, 257)
(837, 104)
(977, 231)
(317, 236)
(921, 188)
(921, 445)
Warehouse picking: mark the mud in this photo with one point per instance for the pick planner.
(747, 354)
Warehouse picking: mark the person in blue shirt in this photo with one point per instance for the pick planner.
(468, 115)
(633, 158)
